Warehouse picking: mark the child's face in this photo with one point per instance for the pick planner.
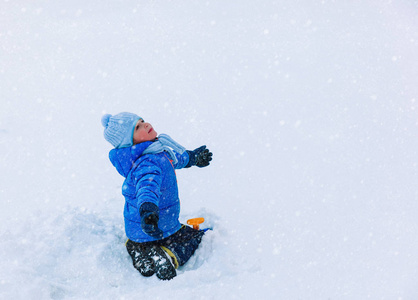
(143, 132)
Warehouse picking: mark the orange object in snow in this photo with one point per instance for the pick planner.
(195, 222)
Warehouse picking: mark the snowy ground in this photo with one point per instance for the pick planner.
(310, 109)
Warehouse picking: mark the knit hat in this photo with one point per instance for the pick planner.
(119, 129)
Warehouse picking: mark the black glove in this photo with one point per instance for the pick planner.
(149, 213)
(199, 157)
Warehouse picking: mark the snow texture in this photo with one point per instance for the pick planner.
(310, 109)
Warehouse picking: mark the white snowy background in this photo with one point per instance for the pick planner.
(310, 109)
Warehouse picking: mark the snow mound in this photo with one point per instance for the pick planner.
(79, 253)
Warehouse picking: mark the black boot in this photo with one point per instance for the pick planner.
(141, 258)
(164, 268)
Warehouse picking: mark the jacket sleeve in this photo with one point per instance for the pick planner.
(182, 160)
(148, 178)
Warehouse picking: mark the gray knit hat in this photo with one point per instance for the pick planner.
(119, 129)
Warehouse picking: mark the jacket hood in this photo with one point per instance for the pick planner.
(124, 158)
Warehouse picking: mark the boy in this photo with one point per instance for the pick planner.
(157, 242)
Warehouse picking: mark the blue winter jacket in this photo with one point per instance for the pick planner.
(148, 178)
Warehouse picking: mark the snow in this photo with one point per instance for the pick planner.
(310, 109)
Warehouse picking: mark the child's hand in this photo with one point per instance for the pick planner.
(149, 220)
(200, 157)
(150, 225)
